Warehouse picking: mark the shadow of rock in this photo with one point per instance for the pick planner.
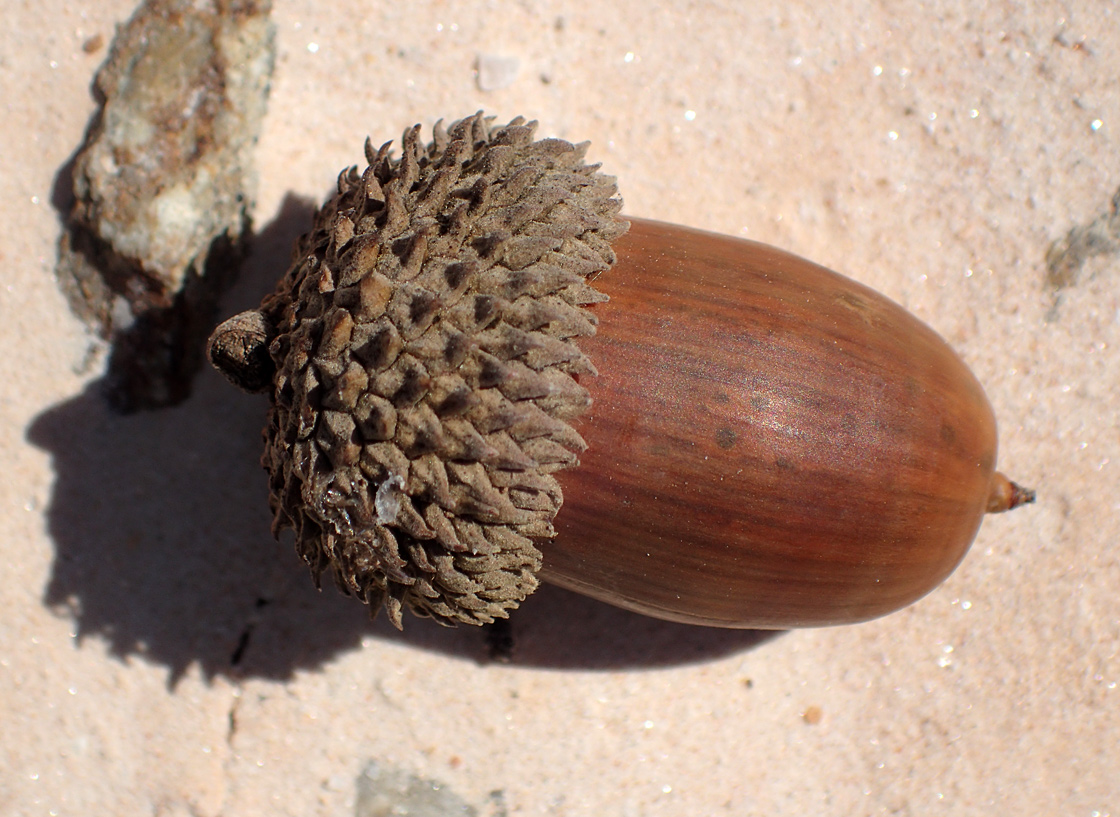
(161, 527)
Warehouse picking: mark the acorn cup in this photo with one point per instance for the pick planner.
(478, 376)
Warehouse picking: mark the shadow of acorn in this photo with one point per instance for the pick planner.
(160, 523)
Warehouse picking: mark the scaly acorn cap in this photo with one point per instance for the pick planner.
(423, 360)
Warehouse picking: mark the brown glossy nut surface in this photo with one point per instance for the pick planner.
(770, 444)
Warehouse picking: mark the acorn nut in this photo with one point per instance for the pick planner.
(760, 442)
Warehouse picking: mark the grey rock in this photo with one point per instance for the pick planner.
(496, 71)
(385, 791)
(164, 184)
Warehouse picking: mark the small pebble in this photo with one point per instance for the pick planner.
(93, 44)
(385, 791)
(496, 72)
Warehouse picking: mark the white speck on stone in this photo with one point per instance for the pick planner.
(121, 312)
(496, 72)
(387, 501)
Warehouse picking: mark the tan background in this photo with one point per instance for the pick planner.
(932, 152)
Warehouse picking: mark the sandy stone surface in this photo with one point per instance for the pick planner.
(160, 654)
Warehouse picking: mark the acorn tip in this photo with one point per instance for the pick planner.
(1007, 495)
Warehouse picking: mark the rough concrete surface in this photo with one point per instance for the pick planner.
(160, 654)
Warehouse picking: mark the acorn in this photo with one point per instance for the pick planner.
(481, 376)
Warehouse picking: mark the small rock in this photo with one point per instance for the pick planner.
(163, 187)
(496, 72)
(384, 791)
